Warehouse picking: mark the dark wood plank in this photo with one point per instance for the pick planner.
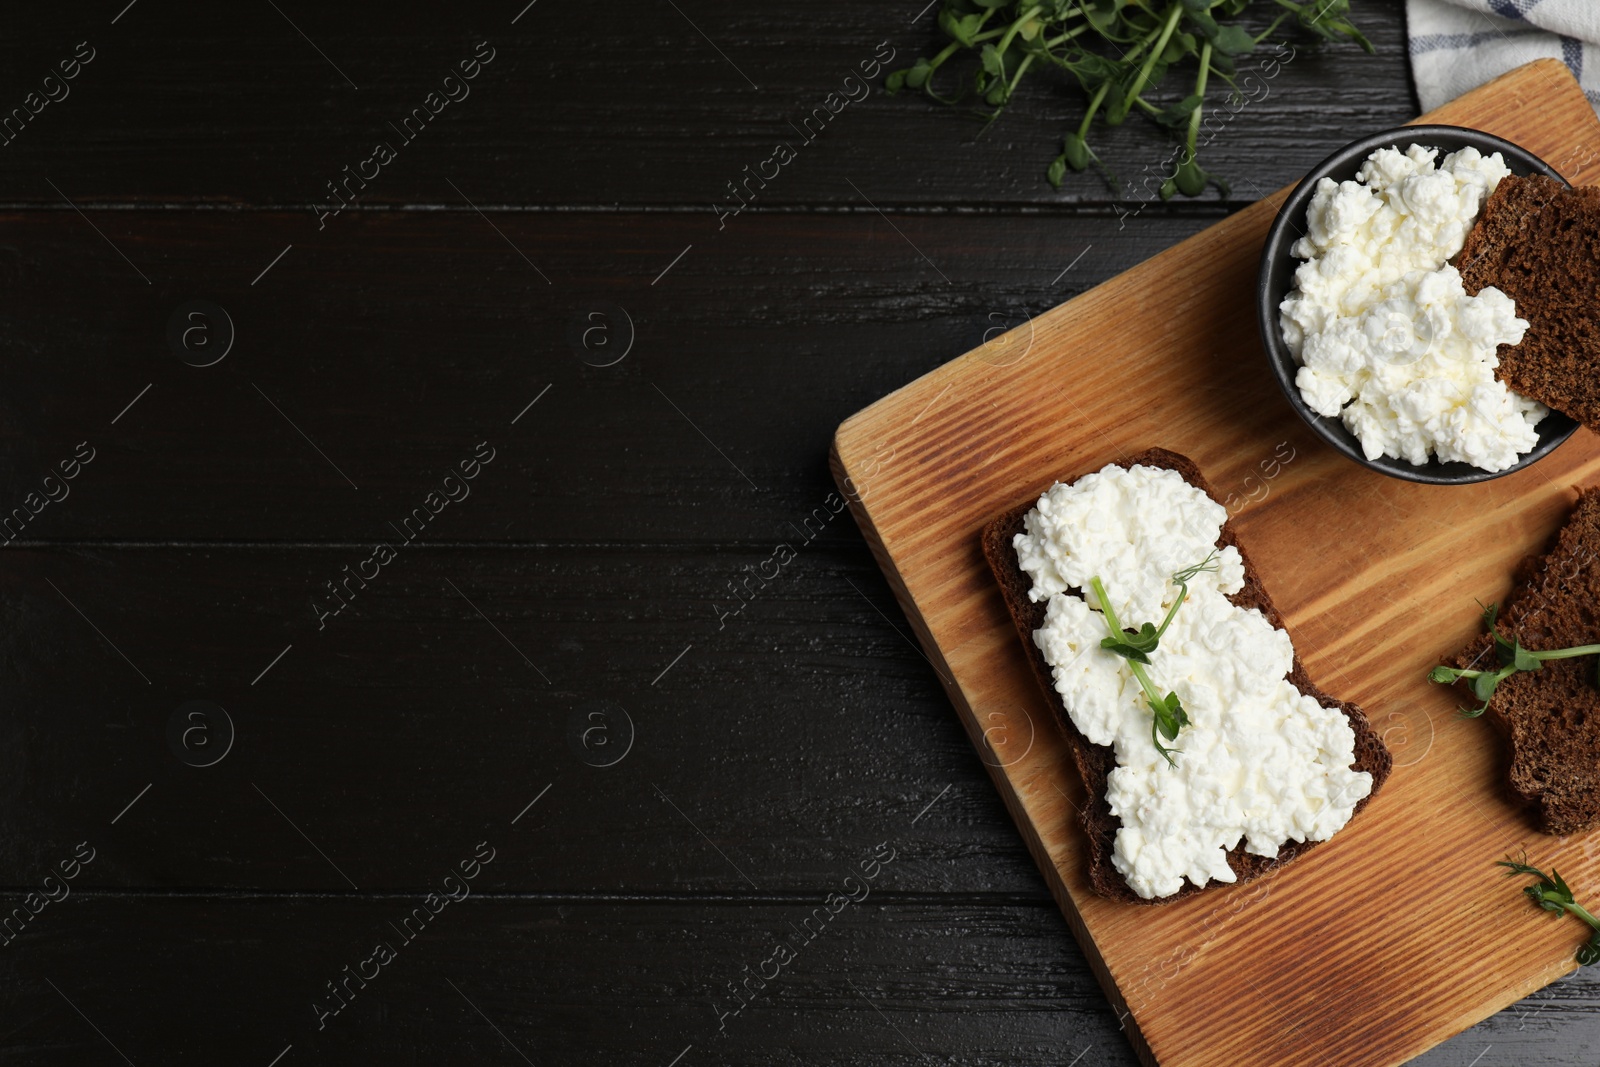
(886, 981)
(197, 981)
(1558, 1025)
(385, 354)
(769, 744)
(177, 106)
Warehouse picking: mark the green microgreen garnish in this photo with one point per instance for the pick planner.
(1135, 646)
(1512, 658)
(1553, 894)
(1119, 53)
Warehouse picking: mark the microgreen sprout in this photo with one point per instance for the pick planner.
(1119, 53)
(1511, 658)
(1553, 894)
(1135, 646)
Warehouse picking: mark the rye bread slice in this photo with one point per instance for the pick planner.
(1551, 717)
(1095, 762)
(1538, 241)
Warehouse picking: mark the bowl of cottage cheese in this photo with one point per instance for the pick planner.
(1368, 329)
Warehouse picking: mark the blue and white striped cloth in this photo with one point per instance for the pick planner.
(1459, 44)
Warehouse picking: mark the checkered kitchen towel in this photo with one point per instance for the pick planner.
(1459, 44)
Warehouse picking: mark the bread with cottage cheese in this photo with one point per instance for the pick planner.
(1095, 762)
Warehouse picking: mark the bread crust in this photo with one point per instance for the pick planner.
(1095, 762)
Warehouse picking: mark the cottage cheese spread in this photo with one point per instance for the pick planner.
(1261, 762)
(1386, 336)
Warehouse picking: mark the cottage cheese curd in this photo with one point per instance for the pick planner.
(1261, 762)
(1386, 336)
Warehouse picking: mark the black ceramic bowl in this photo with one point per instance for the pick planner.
(1277, 279)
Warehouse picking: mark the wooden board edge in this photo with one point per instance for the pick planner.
(1512, 84)
(849, 485)
(850, 446)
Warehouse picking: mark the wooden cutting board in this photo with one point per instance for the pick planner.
(1398, 933)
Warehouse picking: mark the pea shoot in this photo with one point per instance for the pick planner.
(1553, 894)
(1135, 646)
(1119, 53)
(1511, 658)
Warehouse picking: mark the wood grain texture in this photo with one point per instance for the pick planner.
(196, 981)
(1316, 961)
(573, 981)
(641, 111)
(743, 359)
(191, 979)
(410, 720)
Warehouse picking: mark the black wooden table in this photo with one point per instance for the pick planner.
(385, 677)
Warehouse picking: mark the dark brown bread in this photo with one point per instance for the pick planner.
(1538, 242)
(1551, 716)
(1095, 762)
